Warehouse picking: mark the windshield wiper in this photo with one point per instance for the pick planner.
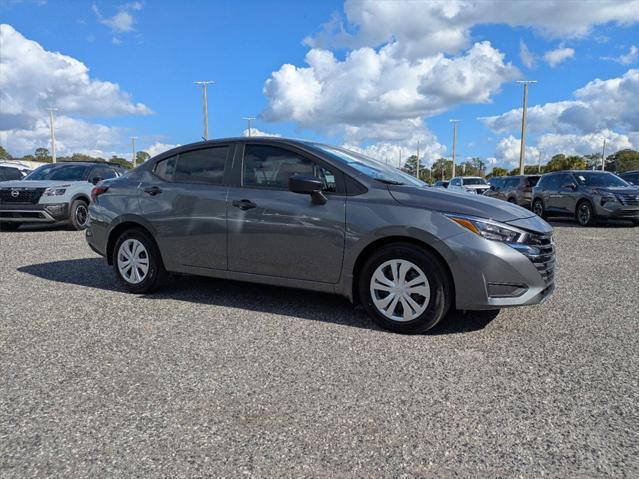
(390, 182)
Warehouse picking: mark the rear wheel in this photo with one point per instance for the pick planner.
(137, 262)
(584, 214)
(538, 208)
(512, 200)
(7, 226)
(79, 214)
(405, 289)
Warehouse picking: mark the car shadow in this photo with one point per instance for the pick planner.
(330, 308)
(40, 227)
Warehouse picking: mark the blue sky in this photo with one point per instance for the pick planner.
(153, 51)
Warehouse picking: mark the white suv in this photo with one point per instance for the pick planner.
(469, 184)
(53, 193)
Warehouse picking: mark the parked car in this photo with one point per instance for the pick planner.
(441, 184)
(587, 196)
(52, 193)
(468, 184)
(631, 177)
(9, 171)
(313, 216)
(514, 189)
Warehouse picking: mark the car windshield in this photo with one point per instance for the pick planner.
(370, 167)
(599, 179)
(58, 173)
(474, 181)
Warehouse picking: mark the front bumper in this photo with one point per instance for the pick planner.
(617, 211)
(493, 275)
(39, 213)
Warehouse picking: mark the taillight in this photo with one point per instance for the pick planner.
(97, 191)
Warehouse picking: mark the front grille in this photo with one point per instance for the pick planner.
(544, 261)
(628, 199)
(16, 196)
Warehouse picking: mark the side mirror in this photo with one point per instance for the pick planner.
(493, 188)
(309, 185)
(569, 186)
(96, 179)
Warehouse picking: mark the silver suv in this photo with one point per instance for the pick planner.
(53, 193)
(319, 217)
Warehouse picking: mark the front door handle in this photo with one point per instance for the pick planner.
(153, 190)
(243, 204)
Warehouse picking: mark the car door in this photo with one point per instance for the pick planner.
(550, 193)
(184, 198)
(568, 194)
(273, 231)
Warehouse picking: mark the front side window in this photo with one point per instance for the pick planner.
(270, 167)
(165, 168)
(202, 166)
(59, 173)
(455, 182)
(512, 183)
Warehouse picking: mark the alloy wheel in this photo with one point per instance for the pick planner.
(81, 215)
(583, 215)
(400, 290)
(133, 261)
(538, 208)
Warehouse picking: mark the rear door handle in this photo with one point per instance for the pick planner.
(243, 204)
(153, 190)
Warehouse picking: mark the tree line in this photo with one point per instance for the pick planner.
(442, 168)
(42, 155)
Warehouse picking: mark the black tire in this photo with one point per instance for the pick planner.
(79, 214)
(9, 226)
(512, 200)
(584, 214)
(538, 208)
(155, 276)
(440, 288)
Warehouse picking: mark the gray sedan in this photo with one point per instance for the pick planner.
(313, 216)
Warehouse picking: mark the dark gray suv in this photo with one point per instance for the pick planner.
(587, 196)
(514, 189)
(318, 217)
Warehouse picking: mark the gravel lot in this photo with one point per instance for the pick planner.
(222, 379)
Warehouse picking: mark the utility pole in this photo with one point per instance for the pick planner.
(249, 119)
(417, 163)
(603, 156)
(522, 147)
(52, 125)
(206, 115)
(400, 158)
(494, 162)
(133, 158)
(454, 122)
(539, 169)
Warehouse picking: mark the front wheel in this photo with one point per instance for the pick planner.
(137, 262)
(79, 214)
(405, 289)
(584, 214)
(538, 208)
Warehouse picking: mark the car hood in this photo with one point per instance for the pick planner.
(458, 202)
(476, 187)
(36, 183)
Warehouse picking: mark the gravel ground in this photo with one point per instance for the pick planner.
(222, 379)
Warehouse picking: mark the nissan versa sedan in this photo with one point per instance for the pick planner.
(318, 217)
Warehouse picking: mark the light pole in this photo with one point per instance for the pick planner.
(133, 158)
(52, 126)
(400, 158)
(539, 168)
(494, 162)
(522, 147)
(206, 115)
(603, 156)
(454, 122)
(249, 119)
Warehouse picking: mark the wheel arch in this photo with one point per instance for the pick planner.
(120, 228)
(375, 245)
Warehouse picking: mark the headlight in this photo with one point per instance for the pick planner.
(55, 191)
(491, 230)
(608, 199)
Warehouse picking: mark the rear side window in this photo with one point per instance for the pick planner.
(512, 182)
(202, 166)
(165, 168)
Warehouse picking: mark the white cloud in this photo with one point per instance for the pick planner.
(256, 132)
(157, 148)
(590, 143)
(33, 79)
(72, 136)
(628, 58)
(376, 94)
(123, 21)
(559, 55)
(599, 104)
(525, 55)
(508, 149)
(426, 28)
